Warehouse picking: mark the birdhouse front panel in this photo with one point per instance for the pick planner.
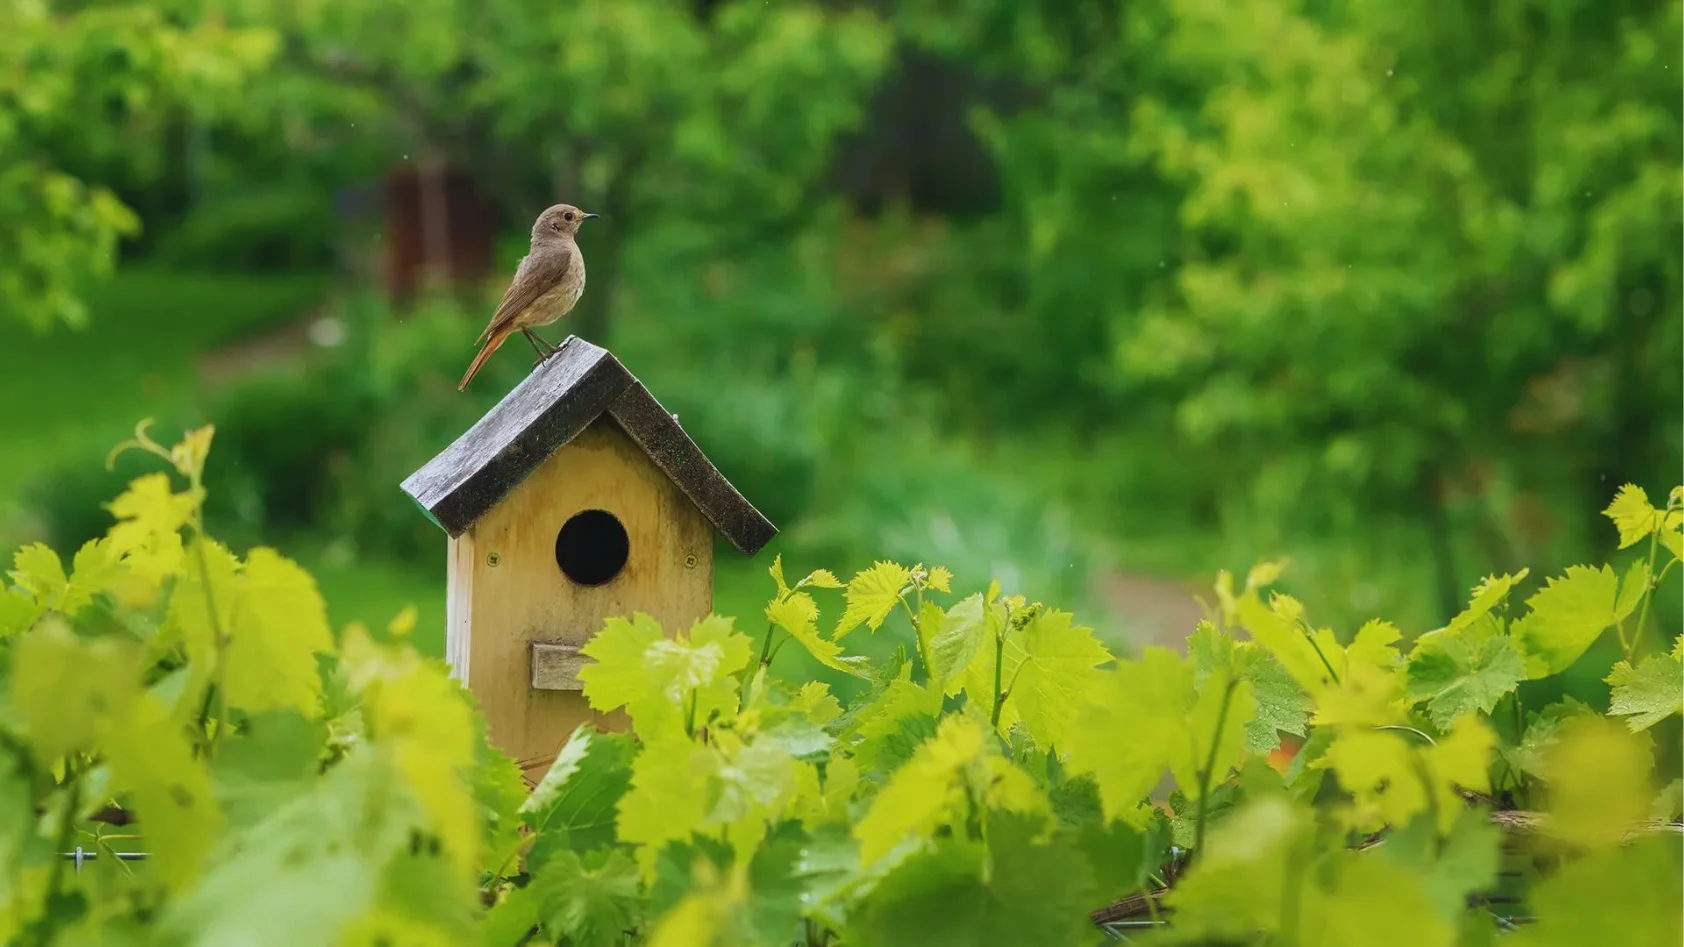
(596, 531)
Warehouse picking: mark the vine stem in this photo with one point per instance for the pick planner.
(220, 684)
(66, 835)
(1209, 769)
(999, 669)
(1648, 596)
(1317, 649)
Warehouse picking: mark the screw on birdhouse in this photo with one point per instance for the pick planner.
(491, 559)
(690, 561)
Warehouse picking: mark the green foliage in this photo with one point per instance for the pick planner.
(1002, 782)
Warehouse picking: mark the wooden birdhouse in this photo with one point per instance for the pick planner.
(577, 498)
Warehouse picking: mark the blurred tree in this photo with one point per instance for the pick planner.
(85, 91)
(1420, 250)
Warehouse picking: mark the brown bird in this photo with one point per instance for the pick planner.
(549, 280)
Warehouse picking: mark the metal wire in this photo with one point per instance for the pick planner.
(81, 855)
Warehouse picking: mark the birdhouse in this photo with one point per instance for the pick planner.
(577, 498)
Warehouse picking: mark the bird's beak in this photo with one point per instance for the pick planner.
(589, 217)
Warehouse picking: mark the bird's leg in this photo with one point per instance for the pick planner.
(544, 349)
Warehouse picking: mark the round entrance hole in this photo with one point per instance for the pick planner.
(591, 547)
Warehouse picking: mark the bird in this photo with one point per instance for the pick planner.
(547, 283)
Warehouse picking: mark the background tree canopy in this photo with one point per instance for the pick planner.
(1071, 293)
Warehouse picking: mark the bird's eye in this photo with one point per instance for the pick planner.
(568, 215)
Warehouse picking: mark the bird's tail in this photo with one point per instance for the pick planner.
(491, 345)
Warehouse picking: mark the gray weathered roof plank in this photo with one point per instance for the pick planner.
(557, 401)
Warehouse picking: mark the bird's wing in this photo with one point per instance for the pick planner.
(537, 273)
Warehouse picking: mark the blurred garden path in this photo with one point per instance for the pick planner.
(1149, 610)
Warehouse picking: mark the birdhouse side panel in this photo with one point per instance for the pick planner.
(602, 511)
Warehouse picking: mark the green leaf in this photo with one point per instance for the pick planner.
(872, 595)
(36, 570)
(1392, 777)
(18, 611)
(1566, 616)
(1366, 898)
(1282, 706)
(968, 630)
(573, 806)
(1486, 595)
(886, 729)
(93, 570)
(274, 757)
(1464, 671)
(1240, 882)
(1632, 514)
(1650, 692)
(510, 920)
(668, 796)
(1014, 890)
(1598, 781)
(665, 683)
(1147, 716)
(1050, 668)
(1464, 864)
(1629, 893)
(592, 901)
(500, 790)
(152, 758)
(279, 625)
(308, 869)
(958, 763)
(69, 691)
(798, 615)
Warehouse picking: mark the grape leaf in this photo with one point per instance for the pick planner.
(501, 792)
(941, 579)
(1650, 692)
(592, 901)
(1464, 864)
(617, 675)
(1012, 891)
(275, 757)
(307, 870)
(279, 625)
(1237, 886)
(37, 570)
(1282, 706)
(1632, 514)
(667, 799)
(18, 611)
(1490, 591)
(1049, 668)
(1630, 892)
(1463, 671)
(511, 920)
(151, 757)
(422, 716)
(885, 729)
(927, 792)
(1136, 725)
(94, 568)
(968, 629)
(1598, 780)
(1366, 898)
(573, 805)
(68, 691)
(664, 684)
(1391, 779)
(1566, 616)
(872, 595)
(798, 615)
(150, 515)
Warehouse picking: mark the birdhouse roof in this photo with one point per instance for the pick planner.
(559, 399)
